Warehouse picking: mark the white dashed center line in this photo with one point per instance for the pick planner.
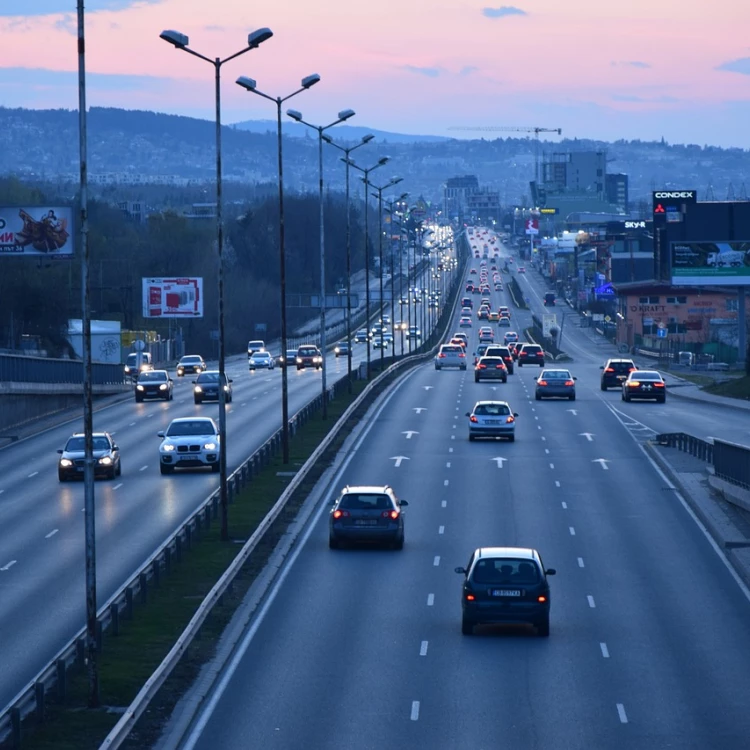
(592, 603)
(546, 450)
(143, 468)
(441, 530)
(51, 534)
(565, 505)
(444, 503)
(447, 464)
(552, 466)
(605, 650)
(436, 561)
(572, 531)
(430, 599)
(132, 424)
(445, 482)
(33, 474)
(580, 562)
(423, 649)
(415, 710)
(620, 712)
(450, 450)
(557, 484)
(117, 486)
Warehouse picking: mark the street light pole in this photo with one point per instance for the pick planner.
(88, 410)
(392, 213)
(180, 42)
(249, 84)
(365, 139)
(342, 116)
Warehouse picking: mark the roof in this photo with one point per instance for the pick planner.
(364, 488)
(524, 552)
(491, 401)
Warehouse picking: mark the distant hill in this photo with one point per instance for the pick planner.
(341, 132)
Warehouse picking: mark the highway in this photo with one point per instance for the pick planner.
(362, 648)
(41, 520)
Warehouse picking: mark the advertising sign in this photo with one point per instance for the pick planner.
(36, 230)
(173, 298)
(716, 263)
(549, 321)
(532, 226)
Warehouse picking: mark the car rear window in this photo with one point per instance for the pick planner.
(452, 348)
(622, 366)
(532, 348)
(505, 570)
(356, 501)
(492, 361)
(555, 374)
(647, 375)
(492, 410)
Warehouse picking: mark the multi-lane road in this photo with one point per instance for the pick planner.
(41, 520)
(650, 628)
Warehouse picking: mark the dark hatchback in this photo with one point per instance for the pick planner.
(207, 387)
(505, 585)
(154, 384)
(615, 372)
(530, 354)
(106, 454)
(367, 514)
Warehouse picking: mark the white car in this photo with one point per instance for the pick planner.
(189, 442)
(261, 361)
(464, 322)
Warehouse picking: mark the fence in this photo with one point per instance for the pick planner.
(20, 369)
(701, 449)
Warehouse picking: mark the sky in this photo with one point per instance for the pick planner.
(602, 69)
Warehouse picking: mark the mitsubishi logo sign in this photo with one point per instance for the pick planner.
(659, 209)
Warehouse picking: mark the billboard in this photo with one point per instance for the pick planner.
(715, 263)
(173, 298)
(36, 231)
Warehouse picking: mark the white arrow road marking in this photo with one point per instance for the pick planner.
(428, 387)
(420, 409)
(51, 534)
(588, 435)
(399, 459)
(602, 462)
(574, 412)
(500, 461)
(430, 600)
(117, 486)
(409, 433)
(9, 565)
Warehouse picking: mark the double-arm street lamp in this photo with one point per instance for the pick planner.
(379, 194)
(366, 172)
(249, 84)
(344, 115)
(393, 209)
(365, 139)
(180, 42)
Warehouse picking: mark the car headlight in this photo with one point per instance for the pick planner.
(127, 369)
(180, 369)
(226, 387)
(210, 446)
(337, 350)
(66, 462)
(168, 447)
(105, 460)
(163, 387)
(198, 389)
(140, 388)
(299, 360)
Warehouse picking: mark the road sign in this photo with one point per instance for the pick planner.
(607, 319)
(661, 333)
(140, 345)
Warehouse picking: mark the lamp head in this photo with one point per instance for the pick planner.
(383, 160)
(310, 80)
(174, 37)
(256, 38)
(294, 114)
(247, 83)
(345, 114)
(367, 138)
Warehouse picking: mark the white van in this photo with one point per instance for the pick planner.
(255, 346)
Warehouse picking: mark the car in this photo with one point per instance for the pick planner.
(510, 336)
(289, 359)
(476, 290)
(497, 350)
(549, 299)
(645, 384)
(492, 419)
(255, 346)
(463, 338)
(362, 336)
(261, 361)
(377, 330)
(481, 349)
(154, 384)
(469, 288)
(465, 311)
(513, 347)
(414, 333)
(483, 312)
(386, 320)
(615, 372)
(555, 382)
(367, 514)
(341, 349)
(106, 454)
(189, 443)
(464, 322)
(473, 271)
(190, 363)
(207, 386)
(491, 368)
(486, 335)
(467, 302)
(521, 269)
(504, 310)
(530, 354)
(380, 342)
(450, 355)
(505, 585)
(493, 317)
(504, 321)
(309, 356)
(132, 367)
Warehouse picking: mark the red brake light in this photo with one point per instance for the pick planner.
(611, 369)
(470, 597)
(340, 514)
(441, 355)
(472, 418)
(499, 367)
(523, 353)
(631, 369)
(541, 599)
(541, 382)
(658, 385)
(510, 419)
(569, 382)
(480, 366)
(462, 354)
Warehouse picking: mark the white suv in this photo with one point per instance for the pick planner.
(189, 442)
(450, 355)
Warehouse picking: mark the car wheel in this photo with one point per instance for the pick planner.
(471, 438)
(436, 367)
(399, 543)
(505, 380)
(215, 467)
(603, 387)
(164, 469)
(476, 379)
(119, 468)
(171, 395)
(112, 474)
(661, 400)
(138, 400)
(511, 438)
(61, 477)
(542, 627)
(541, 364)
(198, 400)
(572, 397)
(538, 397)
(467, 626)
(464, 367)
(332, 543)
(625, 398)
(520, 364)
(298, 368)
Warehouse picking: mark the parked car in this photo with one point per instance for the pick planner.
(106, 455)
(154, 384)
(206, 387)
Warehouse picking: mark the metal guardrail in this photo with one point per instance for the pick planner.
(702, 449)
(732, 462)
(21, 369)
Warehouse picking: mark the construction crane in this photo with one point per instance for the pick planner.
(501, 129)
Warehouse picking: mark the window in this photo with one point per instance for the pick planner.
(648, 300)
(676, 300)
(732, 305)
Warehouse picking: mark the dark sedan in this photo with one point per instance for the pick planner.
(190, 364)
(207, 387)
(367, 514)
(645, 384)
(106, 457)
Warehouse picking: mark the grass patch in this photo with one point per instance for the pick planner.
(128, 659)
(737, 388)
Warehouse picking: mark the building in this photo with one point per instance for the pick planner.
(616, 190)
(455, 195)
(483, 203)
(134, 210)
(200, 211)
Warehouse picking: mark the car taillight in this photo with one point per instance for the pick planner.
(633, 383)
(569, 382)
(507, 359)
(611, 369)
(499, 367)
(472, 418)
(481, 367)
(340, 514)
(541, 599)
(658, 385)
(541, 382)
(462, 354)
(523, 354)
(510, 419)
(632, 369)
(390, 514)
(470, 597)
(441, 355)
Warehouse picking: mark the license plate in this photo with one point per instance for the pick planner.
(621, 377)
(506, 592)
(492, 421)
(366, 522)
(79, 468)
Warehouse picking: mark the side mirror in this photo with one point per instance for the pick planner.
(468, 413)
(231, 380)
(193, 381)
(514, 414)
(460, 570)
(575, 378)
(601, 367)
(550, 572)
(160, 433)
(115, 447)
(59, 450)
(403, 502)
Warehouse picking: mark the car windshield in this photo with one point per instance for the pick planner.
(209, 377)
(505, 570)
(152, 376)
(307, 352)
(357, 501)
(261, 355)
(78, 444)
(190, 360)
(622, 366)
(555, 375)
(492, 410)
(192, 427)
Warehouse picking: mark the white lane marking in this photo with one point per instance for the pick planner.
(9, 565)
(456, 408)
(430, 599)
(51, 534)
(557, 484)
(436, 561)
(441, 529)
(574, 412)
(592, 603)
(602, 462)
(544, 438)
(444, 503)
(117, 486)
(399, 459)
(114, 432)
(448, 465)
(450, 450)
(148, 416)
(565, 505)
(1, 492)
(254, 397)
(536, 417)
(243, 404)
(445, 482)
(453, 437)
(546, 450)
(33, 474)
(500, 461)
(132, 424)
(552, 466)
(621, 713)
(580, 562)
(539, 427)
(588, 435)
(454, 427)
(419, 409)
(605, 650)
(409, 433)
(143, 468)
(423, 649)
(456, 417)
(414, 710)
(572, 531)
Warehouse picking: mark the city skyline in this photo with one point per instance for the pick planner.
(643, 71)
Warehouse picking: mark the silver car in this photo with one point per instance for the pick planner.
(559, 383)
(492, 419)
(261, 361)
(450, 355)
